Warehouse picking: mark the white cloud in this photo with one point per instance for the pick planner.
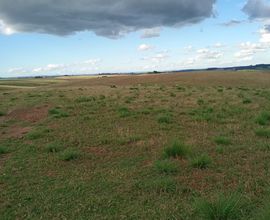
(218, 45)
(157, 58)
(265, 36)
(83, 67)
(188, 48)
(6, 29)
(248, 50)
(17, 70)
(92, 61)
(206, 54)
(144, 47)
(48, 68)
(151, 33)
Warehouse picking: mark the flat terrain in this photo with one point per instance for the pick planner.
(171, 146)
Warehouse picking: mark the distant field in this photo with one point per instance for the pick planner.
(170, 146)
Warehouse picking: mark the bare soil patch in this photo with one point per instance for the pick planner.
(32, 115)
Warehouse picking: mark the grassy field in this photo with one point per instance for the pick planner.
(172, 146)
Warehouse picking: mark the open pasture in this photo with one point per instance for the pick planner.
(170, 146)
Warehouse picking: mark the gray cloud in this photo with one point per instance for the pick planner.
(151, 33)
(232, 23)
(104, 17)
(257, 9)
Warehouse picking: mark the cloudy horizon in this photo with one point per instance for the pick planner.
(44, 37)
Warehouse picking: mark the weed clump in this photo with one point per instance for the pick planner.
(202, 161)
(221, 208)
(263, 118)
(176, 149)
(69, 154)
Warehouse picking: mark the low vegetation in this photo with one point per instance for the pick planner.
(177, 146)
(166, 166)
(221, 208)
(263, 118)
(176, 149)
(221, 140)
(69, 154)
(201, 161)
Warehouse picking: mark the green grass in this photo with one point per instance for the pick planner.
(220, 149)
(201, 161)
(38, 133)
(124, 112)
(2, 113)
(263, 118)
(69, 154)
(166, 166)
(222, 140)
(176, 149)
(264, 212)
(3, 150)
(54, 147)
(157, 185)
(85, 99)
(221, 208)
(247, 101)
(165, 119)
(58, 113)
(112, 159)
(263, 132)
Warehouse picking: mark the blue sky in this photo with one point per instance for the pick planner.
(230, 37)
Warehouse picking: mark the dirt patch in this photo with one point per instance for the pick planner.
(32, 115)
(17, 132)
(97, 151)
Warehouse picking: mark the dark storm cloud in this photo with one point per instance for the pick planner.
(110, 18)
(257, 9)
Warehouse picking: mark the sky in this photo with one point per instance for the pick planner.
(59, 37)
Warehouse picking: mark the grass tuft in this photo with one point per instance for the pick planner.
(202, 161)
(124, 112)
(3, 150)
(176, 149)
(220, 149)
(222, 140)
(58, 113)
(85, 99)
(69, 154)
(165, 119)
(53, 147)
(222, 208)
(263, 118)
(263, 132)
(2, 113)
(247, 101)
(166, 166)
